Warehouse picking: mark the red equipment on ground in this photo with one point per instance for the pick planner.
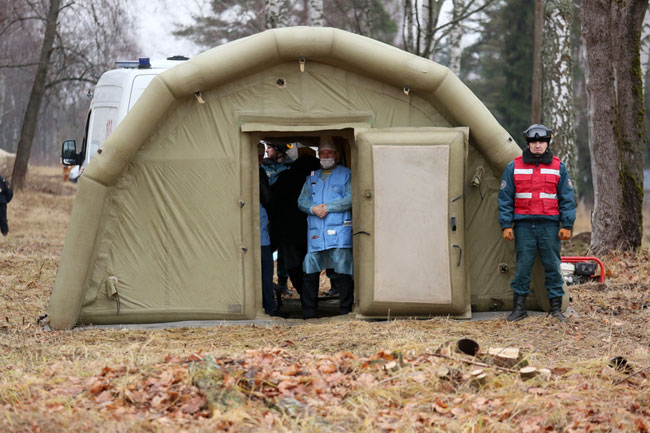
(584, 267)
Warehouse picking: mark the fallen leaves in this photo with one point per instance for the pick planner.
(265, 388)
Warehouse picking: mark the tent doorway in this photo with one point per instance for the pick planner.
(287, 224)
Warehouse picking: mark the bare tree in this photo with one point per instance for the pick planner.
(421, 31)
(36, 96)
(558, 102)
(420, 25)
(87, 38)
(611, 30)
(20, 37)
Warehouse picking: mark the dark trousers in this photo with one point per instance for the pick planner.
(531, 239)
(4, 228)
(309, 298)
(268, 301)
(296, 278)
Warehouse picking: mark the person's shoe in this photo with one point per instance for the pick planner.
(556, 309)
(518, 309)
(281, 314)
(331, 293)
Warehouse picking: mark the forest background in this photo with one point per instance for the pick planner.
(493, 45)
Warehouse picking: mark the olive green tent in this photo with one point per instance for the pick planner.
(165, 225)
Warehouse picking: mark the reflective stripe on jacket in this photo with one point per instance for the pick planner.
(536, 187)
(335, 230)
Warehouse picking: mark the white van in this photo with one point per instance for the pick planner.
(115, 94)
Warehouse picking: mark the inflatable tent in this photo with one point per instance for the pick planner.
(165, 224)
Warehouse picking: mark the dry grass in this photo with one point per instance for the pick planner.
(383, 376)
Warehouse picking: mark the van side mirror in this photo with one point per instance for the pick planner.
(69, 154)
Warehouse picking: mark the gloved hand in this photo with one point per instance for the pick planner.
(508, 234)
(564, 234)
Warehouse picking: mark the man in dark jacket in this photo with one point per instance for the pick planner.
(289, 228)
(537, 198)
(6, 194)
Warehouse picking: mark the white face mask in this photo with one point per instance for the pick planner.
(327, 163)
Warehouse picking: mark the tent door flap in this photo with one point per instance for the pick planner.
(407, 189)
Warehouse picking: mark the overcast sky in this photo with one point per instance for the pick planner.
(157, 19)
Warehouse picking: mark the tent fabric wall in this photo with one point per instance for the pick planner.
(165, 207)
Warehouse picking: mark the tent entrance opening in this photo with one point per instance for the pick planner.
(286, 160)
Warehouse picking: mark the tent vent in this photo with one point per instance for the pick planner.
(301, 61)
(281, 83)
(111, 291)
(199, 97)
(406, 90)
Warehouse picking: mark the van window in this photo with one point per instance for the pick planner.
(139, 84)
(102, 122)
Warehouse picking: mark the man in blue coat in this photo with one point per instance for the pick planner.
(537, 199)
(326, 198)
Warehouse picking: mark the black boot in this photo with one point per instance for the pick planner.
(518, 309)
(556, 309)
(344, 286)
(309, 295)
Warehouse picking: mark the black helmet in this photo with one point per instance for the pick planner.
(538, 132)
(281, 147)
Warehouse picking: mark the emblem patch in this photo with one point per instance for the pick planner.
(569, 183)
(503, 184)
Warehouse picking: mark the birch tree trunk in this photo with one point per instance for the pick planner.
(456, 36)
(35, 97)
(558, 103)
(316, 17)
(420, 21)
(276, 13)
(611, 30)
(408, 26)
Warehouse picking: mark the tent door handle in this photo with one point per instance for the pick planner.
(460, 253)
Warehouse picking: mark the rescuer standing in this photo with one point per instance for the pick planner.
(537, 209)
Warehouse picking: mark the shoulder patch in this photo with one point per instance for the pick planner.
(568, 181)
(503, 184)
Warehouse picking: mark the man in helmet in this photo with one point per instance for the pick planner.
(537, 200)
(326, 198)
(277, 160)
